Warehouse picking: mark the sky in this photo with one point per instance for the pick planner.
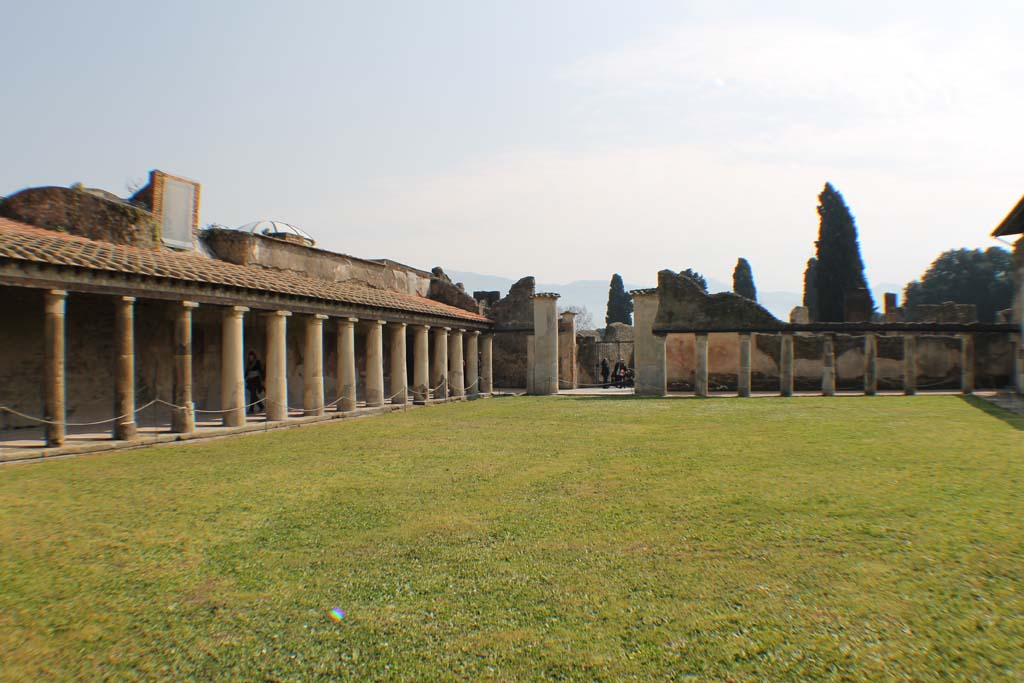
(565, 140)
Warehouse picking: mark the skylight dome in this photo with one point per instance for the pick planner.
(279, 230)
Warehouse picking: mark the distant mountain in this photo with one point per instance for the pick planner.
(593, 294)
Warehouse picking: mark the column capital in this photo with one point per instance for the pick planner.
(475, 333)
(237, 310)
(190, 304)
(444, 329)
(378, 322)
(319, 316)
(127, 299)
(61, 293)
(280, 314)
(398, 324)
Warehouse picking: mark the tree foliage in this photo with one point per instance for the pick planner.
(743, 280)
(840, 268)
(696, 277)
(810, 289)
(620, 303)
(967, 276)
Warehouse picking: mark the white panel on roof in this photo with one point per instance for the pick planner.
(179, 204)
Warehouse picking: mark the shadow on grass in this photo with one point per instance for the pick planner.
(1015, 421)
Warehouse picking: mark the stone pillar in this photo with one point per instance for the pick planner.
(456, 376)
(700, 374)
(786, 364)
(420, 363)
(530, 364)
(743, 378)
(399, 390)
(828, 372)
(473, 363)
(125, 427)
(313, 367)
(1017, 341)
(870, 364)
(967, 363)
(375, 363)
(439, 371)
(648, 348)
(568, 377)
(909, 364)
(54, 302)
(183, 419)
(487, 362)
(347, 364)
(232, 367)
(545, 344)
(277, 365)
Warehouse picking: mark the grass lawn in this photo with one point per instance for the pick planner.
(805, 539)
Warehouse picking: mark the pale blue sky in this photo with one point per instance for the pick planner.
(566, 140)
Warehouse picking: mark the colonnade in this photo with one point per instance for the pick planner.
(443, 379)
(828, 375)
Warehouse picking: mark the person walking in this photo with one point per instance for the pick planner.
(604, 373)
(254, 383)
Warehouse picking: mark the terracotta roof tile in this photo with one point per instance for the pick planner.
(22, 242)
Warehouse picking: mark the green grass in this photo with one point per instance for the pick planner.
(804, 539)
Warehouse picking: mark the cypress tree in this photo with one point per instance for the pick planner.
(840, 269)
(810, 291)
(620, 303)
(743, 280)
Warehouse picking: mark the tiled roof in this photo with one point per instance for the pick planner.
(22, 242)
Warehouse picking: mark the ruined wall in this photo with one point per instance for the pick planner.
(442, 289)
(246, 248)
(513, 316)
(94, 214)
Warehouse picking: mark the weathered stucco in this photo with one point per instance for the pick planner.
(246, 248)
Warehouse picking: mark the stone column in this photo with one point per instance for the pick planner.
(487, 361)
(909, 364)
(545, 344)
(530, 364)
(183, 419)
(828, 372)
(456, 376)
(786, 364)
(313, 367)
(648, 348)
(567, 371)
(700, 375)
(473, 363)
(399, 390)
(375, 363)
(420, 363)
(54, 302)
(439, 371)
(743, 378)
(870, 364)
(1017, 341)
(232, 368)
(125, 427)
(277, 365)
(347, 364)
(967, 363)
